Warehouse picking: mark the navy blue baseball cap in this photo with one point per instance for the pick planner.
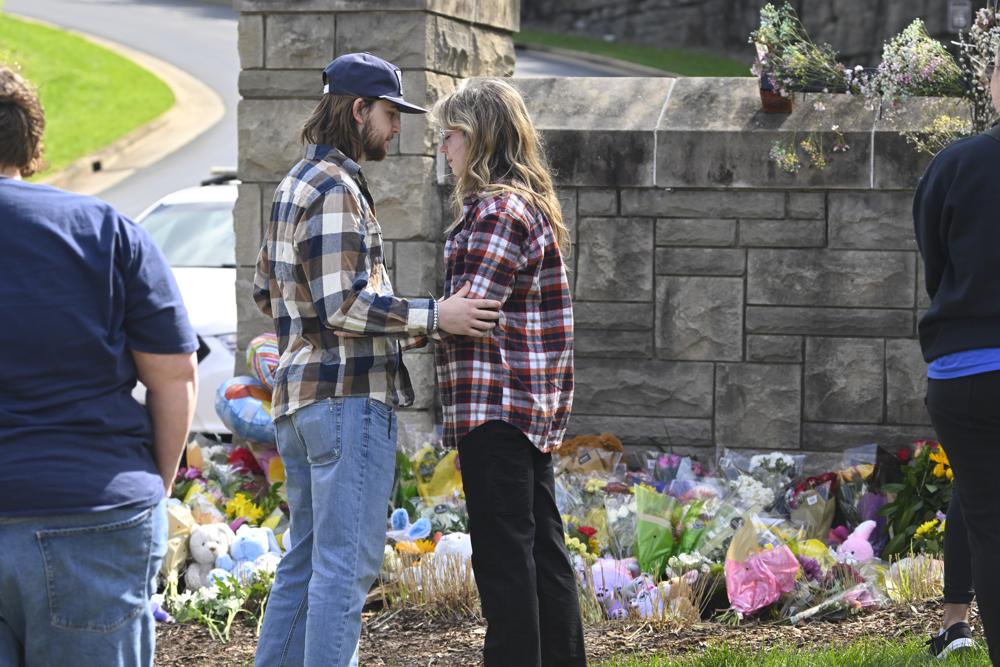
(365, 75)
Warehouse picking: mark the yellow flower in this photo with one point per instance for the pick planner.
(242, 506)
(943, 467)
(925, 528)
(425, 546)
(593, 545)
(411, 548)
(574, 545)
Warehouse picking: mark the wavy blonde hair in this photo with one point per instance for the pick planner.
(504, 152)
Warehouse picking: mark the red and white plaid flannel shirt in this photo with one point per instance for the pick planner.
(523, 372)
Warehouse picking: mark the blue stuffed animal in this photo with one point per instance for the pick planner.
(254, 550)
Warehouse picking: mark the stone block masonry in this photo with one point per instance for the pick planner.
(719, 302)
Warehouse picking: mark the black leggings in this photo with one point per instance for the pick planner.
(966, 414)
(957, 556)
(526, 583)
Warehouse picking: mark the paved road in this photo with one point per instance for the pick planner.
(200, 38)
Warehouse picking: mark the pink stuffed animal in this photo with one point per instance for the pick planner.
(856, 548)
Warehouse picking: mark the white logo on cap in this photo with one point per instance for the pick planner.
(399, 80)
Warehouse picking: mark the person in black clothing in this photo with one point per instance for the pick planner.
(956, 214)
(956, 632)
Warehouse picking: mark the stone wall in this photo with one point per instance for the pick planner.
(721, 302)
(284, 47)
(856, 28)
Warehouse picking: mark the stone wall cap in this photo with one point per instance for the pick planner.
(595, 103)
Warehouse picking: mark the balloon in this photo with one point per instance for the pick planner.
(243, 405)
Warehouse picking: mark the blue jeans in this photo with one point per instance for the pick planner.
(340, 457)
(74, 589)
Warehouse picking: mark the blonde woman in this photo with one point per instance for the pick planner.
(506, 398)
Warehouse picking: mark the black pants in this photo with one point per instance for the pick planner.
(966, 414)
(525, 579)
(957, 557)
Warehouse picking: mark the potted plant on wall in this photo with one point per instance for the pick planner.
(789, 61)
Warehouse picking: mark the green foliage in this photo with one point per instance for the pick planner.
(404, 488)
(91, 96)
(218, 607)
(925, 491)
(869, 652)
(675, 61)
(270, 500)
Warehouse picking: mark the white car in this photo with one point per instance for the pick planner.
(194, 229)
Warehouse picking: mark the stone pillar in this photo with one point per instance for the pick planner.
(284, 47)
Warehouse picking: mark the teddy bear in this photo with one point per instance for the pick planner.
(254, 550)
(208, 542)
(856, 548)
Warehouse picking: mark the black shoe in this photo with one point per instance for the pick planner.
(956, 638)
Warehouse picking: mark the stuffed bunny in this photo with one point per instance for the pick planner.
(856, 548)
(610, 577)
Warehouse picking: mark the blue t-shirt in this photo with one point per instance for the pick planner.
(80, 286)
(967, 362)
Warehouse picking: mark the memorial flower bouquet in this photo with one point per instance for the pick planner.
(913, 63)
(924, 492)
(621, 518)
(929, 536)
(665, 528)
(788, 59)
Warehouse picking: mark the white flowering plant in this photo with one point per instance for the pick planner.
(752, 493)
(219, 605)
(776, 469)
(913, 63)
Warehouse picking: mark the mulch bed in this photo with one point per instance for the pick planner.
(410, 638)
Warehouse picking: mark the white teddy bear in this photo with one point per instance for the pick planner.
(207, 543)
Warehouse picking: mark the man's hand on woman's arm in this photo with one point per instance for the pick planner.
(463, 316)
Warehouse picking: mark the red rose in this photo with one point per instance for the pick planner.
(587, 530)
(903, 454)
(244, 461)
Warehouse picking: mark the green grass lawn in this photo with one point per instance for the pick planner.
(869, 653)
(91, 96)
(678, 61)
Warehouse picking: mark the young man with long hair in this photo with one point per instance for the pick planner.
(321, 276)
(506, 398)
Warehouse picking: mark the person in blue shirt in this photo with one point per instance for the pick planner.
(956, 215)
(89, 306)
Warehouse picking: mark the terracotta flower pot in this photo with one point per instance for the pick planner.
(772, 101)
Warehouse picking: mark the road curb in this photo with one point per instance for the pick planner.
(196, 109)
(625, 66)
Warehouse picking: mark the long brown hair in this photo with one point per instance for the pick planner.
(332, 123)
(22, 124)
(505, 153)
